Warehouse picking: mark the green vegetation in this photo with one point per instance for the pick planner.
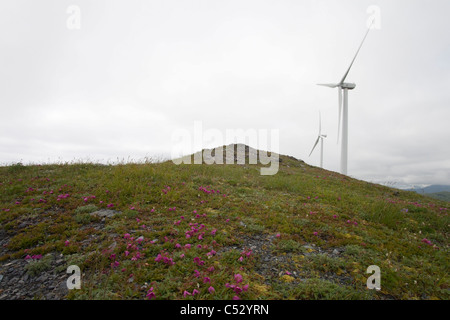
(304, 233)
(35, 267)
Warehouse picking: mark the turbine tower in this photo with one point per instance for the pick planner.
(343, 88)
(319, 137)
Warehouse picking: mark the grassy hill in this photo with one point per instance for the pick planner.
(166, 231)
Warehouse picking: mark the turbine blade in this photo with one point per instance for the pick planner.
(315, 145)
(329, 85)
(340, 114)
(360, 46)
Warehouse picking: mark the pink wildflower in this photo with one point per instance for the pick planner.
(150, 294)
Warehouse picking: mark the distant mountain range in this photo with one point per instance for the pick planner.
(440, 192)
(431, 189)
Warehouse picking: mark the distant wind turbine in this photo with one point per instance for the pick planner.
(319, 137)
(343, 86)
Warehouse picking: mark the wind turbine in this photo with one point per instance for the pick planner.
(343, 87)
(319, 137)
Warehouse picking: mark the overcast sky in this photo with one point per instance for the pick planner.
(136, 71)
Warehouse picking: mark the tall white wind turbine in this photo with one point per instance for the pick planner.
(319, 137)
(343, 87)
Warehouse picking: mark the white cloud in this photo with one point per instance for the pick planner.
(138, 70)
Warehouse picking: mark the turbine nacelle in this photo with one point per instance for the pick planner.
(349, 86)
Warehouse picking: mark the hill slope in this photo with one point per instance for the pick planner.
(166, 231)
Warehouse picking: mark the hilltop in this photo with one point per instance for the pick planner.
(166, 231)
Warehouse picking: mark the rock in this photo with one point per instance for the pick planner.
(8, 264)
(141, 238)
(335, 251)
(1, 277)
(62, 288)
(105, 213)
(41, 278)
(113, 245)
(23, 225)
